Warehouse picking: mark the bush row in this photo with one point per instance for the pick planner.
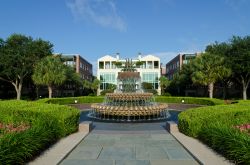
(73, 100)
(47, 124)
(165, 99)
(189, 100)
(215, 126)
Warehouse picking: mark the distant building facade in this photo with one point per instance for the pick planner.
(80, 65)
(163, 70)
(107, 71)
(176, 63)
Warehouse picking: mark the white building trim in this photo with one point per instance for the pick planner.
(105, 66)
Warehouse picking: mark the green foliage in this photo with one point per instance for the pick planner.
(103, 93)
(118, 64)
(18, 54)
(50, 71)
(71, 100)
(139, 63)
(215, 125)
(237, 55)
(164, 83)
(47, 124)
(146, 85)
(209, 69)
(95, 85)
(189, 100)
(72, 76)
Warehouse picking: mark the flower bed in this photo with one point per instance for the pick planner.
(244, 128)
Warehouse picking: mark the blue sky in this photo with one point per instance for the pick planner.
(94, 28)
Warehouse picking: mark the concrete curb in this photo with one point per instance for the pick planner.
(57, 152)
(202, 153)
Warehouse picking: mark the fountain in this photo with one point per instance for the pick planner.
(129, 103)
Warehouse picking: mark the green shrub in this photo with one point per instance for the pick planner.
(189, 100)
(103, 93)
(215, 125)
(73, 100)
(47, 124)
(166, 94)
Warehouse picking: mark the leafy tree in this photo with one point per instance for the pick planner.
(239, 61)
(221, 49)
(95, 85)
(182, 79)
(164, 83)
(86, 84)
(209, 69)
(50, 71)
(237, 55)
(18, 55)
(72, 76)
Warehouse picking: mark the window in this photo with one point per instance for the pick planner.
(150, 65)
(107, 78)
(113, 65)
(107, 65)
(101, 65)
(151, 77)
(156, 64)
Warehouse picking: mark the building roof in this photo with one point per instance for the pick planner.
(149, 57)
(107, 58)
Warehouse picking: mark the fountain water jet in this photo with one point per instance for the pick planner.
(129, 104)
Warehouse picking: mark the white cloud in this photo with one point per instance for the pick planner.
(102, 12)
(235, 4)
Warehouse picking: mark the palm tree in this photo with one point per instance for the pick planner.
(95, 85)
(164, 83)
(49, 71)
(208, 69)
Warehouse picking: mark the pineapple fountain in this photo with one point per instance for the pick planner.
(129, 104)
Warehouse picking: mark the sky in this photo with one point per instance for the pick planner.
(94, 28)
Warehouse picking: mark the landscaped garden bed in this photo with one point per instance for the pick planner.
(223, 127)
(27, 128)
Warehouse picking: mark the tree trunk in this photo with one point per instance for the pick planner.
(18, 87)
(211, 89)
(224, 92)
(244, 91)
(50, 91)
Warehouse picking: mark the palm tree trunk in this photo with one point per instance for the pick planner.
(211, 89)
(50, 91)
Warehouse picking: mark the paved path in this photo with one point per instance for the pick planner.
(129, 144)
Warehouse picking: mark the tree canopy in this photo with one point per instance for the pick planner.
(209, 68)
(50, 71)
(164, 83)
(237, 57)
(18, 55)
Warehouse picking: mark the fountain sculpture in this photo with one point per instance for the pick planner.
(129, 103)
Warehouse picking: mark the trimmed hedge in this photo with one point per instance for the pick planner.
(189, 100)
(47, 124)
(215, 126)
(165, 99)
(71, 100)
